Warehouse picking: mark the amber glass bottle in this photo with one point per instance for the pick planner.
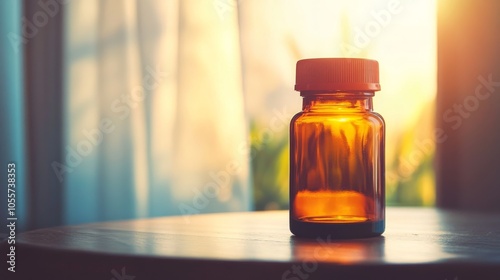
(337, 177)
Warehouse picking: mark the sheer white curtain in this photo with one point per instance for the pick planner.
(155, 121)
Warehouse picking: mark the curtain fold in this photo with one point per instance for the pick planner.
(81, 113)
(158, 33)
(210, 126)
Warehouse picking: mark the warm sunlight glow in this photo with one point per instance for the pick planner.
(400, 34)
(353, 206)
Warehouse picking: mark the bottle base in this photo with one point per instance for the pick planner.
(337, 230)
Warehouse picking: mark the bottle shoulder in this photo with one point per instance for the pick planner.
(318, 117)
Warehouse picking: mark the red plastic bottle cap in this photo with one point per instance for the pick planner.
(337, 74)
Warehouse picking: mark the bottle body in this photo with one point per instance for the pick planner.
(337, 166)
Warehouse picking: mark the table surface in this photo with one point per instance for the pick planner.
(419, 243)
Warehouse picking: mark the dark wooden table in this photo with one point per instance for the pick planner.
(419, 243)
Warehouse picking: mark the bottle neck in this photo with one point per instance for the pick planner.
(337, 101)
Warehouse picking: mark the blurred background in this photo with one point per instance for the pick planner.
(121, 109)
